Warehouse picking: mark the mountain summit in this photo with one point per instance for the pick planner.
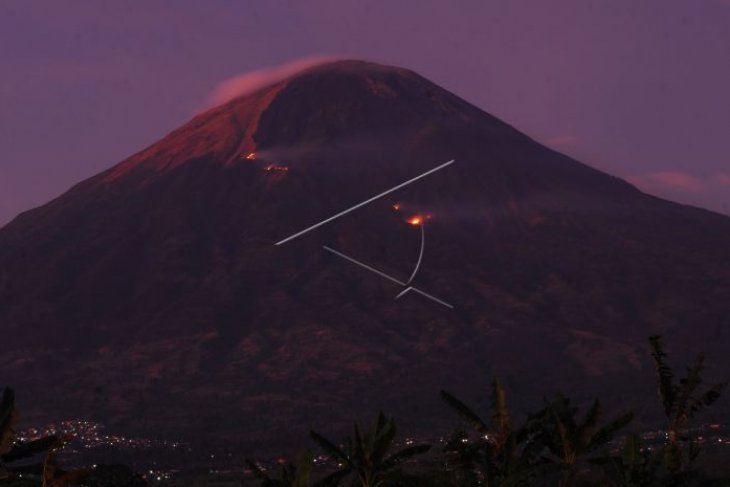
(154, 296)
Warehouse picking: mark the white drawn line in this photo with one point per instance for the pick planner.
(420, 256)
(382, 274)
(425, 294)
(365, 266)
(345, 212)
(403, 292)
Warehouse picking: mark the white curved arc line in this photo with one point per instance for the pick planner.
(420, 256)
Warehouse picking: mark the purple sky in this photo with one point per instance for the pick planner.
(638, 89)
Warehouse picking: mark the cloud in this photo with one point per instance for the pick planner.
(678, 180)
(708, 190)
(247, 83)
(673, 180)
(722, 178)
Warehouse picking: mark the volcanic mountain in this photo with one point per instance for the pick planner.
(153, 296)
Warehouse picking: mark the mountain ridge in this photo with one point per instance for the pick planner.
(152, 295)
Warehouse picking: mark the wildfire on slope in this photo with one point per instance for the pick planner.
(415, 220)
(251, 156)
(418, 219)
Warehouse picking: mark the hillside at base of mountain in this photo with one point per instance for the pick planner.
(152, 296)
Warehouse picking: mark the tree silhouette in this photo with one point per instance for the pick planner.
(681, 402)
(499, 456)
(12, 451)
(570, 440)
(365, 456)
(670, 464)
(635, 466)
(295, 474)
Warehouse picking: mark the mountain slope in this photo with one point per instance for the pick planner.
(152, 295)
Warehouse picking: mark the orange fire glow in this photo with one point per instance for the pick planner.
(251, 156)
(419, 219)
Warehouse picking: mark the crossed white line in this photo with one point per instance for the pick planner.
(365, 266)
(391, 278)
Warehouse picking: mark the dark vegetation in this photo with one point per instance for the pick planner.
(558, 445)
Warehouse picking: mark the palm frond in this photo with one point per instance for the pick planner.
(29, 449)
(329, 448)
(589, 423)
(706, 399)
(7, 405)
(631, 453)
(665, 376)
(8, 416)
(565, 445)
(500, 412)
(713, 394)
(465, 412)
(687, 387)
(49, 466)
(384, 435)
(304, 463)
(607, 432)
(694, 450)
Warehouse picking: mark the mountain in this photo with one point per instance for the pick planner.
(153, 296)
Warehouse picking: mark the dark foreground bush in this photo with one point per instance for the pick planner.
(558, 445)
